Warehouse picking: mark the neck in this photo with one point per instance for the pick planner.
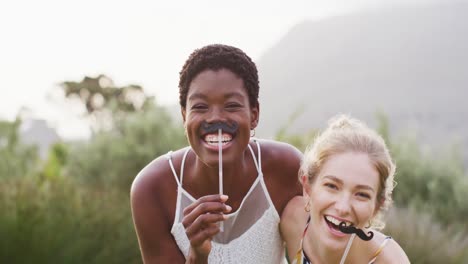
(233, 172)
(319, 252)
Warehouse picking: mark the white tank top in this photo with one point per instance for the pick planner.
(251, 234)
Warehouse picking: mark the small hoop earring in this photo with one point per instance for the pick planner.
(369, 224)
(307, 207)
(252, 135)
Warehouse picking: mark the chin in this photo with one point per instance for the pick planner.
(332, 241)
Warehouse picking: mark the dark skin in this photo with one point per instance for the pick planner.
(214, 96)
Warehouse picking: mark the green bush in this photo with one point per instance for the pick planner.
(434, 184)
(112, 159)
(61, 222)
(16, 159)
(431, 184)
(74, 207)
(424, 241)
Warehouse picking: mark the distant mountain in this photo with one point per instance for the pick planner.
(411, 63)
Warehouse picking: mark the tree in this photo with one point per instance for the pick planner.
(104, 101)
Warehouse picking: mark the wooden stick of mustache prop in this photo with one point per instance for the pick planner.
(354, 230)
(220, 166)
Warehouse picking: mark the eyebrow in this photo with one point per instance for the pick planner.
(233, 94)
(197, 96)
(360, 186)
(204, 97)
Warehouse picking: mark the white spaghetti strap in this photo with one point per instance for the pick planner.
(254, 159)
(179, 183)
(259, 155)
(260, 175)
(183, 166)
(169, 158)
(379, 250)
(177, 210)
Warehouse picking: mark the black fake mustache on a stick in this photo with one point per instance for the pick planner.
(210, 128)
(354, 230)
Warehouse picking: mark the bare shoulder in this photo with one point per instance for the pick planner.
(293, 222)
(153, 198)
(155, 186)
(392, 253)
(151, 180)
(280, 166)
(280, 152)
(281, 160)
(294, 217)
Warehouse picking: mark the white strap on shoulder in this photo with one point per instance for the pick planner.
(169, 158)
(380, 249)
(258, 164)
(182, 166)
(259, 155)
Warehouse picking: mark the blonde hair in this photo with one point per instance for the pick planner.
(347, 134)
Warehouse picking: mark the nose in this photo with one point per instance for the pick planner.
(216, 114)
(343, 205)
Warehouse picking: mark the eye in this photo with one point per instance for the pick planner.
(363, 195)
(331, 186)
(199, 107)
(233, 106)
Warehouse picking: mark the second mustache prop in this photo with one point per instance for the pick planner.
(354, 230)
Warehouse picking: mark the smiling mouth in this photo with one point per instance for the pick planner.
(213, 139)
(335, 223)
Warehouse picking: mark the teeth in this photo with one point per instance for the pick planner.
(337, 222)
(213, 138)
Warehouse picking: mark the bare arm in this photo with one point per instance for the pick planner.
(293, 222)
(153, 200)
(151, 220)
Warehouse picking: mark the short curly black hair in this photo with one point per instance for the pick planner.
(216, 57)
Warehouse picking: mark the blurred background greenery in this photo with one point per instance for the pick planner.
(72, 206)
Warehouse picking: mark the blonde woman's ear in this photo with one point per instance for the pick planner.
(378, 206)
(305, 186)
(303, 180)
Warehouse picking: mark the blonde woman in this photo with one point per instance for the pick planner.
(347, 177)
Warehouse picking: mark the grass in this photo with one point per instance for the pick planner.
(425, 241)
(62, 223)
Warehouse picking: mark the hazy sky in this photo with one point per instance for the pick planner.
(134, 42)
